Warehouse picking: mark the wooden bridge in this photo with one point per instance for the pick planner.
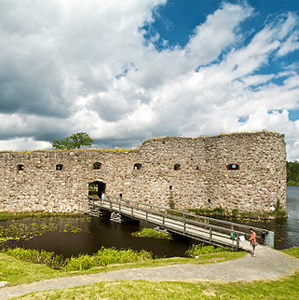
(205, 229)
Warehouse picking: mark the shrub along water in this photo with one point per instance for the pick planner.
(103, 257)
(106, 256)
(50, 259)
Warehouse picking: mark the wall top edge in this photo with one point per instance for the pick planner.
(162, 138)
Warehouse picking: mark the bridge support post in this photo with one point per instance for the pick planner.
(115, 217)
(269, 240)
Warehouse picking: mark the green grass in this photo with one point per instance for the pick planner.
(19, 215)
(235, 213)
(292, 251)
(16, 271)
(285, 288)
(152, 233)
(104, 257)
(198, 249)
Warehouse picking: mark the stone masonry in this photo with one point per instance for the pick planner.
(244, 171)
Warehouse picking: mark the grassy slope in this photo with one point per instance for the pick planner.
(284, 288)
(16, 272)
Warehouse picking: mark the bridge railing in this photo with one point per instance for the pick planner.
(208, 223)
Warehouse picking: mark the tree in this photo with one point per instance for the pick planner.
(76, 140)
(293, 173)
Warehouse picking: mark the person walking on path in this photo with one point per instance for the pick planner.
(252, 241)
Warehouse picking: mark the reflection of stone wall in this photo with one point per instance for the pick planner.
(202, 178)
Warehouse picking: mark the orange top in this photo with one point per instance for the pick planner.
(252, 238)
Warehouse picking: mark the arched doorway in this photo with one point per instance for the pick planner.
(96, 188)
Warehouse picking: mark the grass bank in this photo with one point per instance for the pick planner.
(277, 213)
(16, 271)
(284, 288)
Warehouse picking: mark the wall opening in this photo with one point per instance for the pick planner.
(59, 167)
(137, 166)
(233, 167)
(97, 165)
(20, 167)
(177, 167)
(96, 188)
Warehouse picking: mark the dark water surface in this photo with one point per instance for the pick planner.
(98, 232)
(95, 233)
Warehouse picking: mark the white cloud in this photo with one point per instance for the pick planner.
(69, 66)
(23, 144)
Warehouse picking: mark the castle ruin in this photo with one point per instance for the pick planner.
(244, 171)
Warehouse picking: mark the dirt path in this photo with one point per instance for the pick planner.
(268, 264)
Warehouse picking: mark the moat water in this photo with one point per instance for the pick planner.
(72, 236)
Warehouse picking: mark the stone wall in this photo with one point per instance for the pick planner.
(245, 171)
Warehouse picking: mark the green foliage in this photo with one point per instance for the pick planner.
(293, 173)
(285, 288)
(235, 213)
(292, 251)
(104, 257)
(37, 257)
(76, 140)
(218, 211)
(152, 233)
(16, 271)
(199, 249)
(19, 215)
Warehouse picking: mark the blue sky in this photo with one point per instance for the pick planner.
(127, 70)
(176, 20)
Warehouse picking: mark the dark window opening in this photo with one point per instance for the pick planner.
(59, 167)
(170, 187)
(97, 166)
(21, 167)
(96, 189)
(177, 167)
(137, 166)
(197, 167)
(233, 167)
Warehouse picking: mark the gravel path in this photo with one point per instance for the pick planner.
(268, 264)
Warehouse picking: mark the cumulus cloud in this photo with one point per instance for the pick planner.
(69, 66)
